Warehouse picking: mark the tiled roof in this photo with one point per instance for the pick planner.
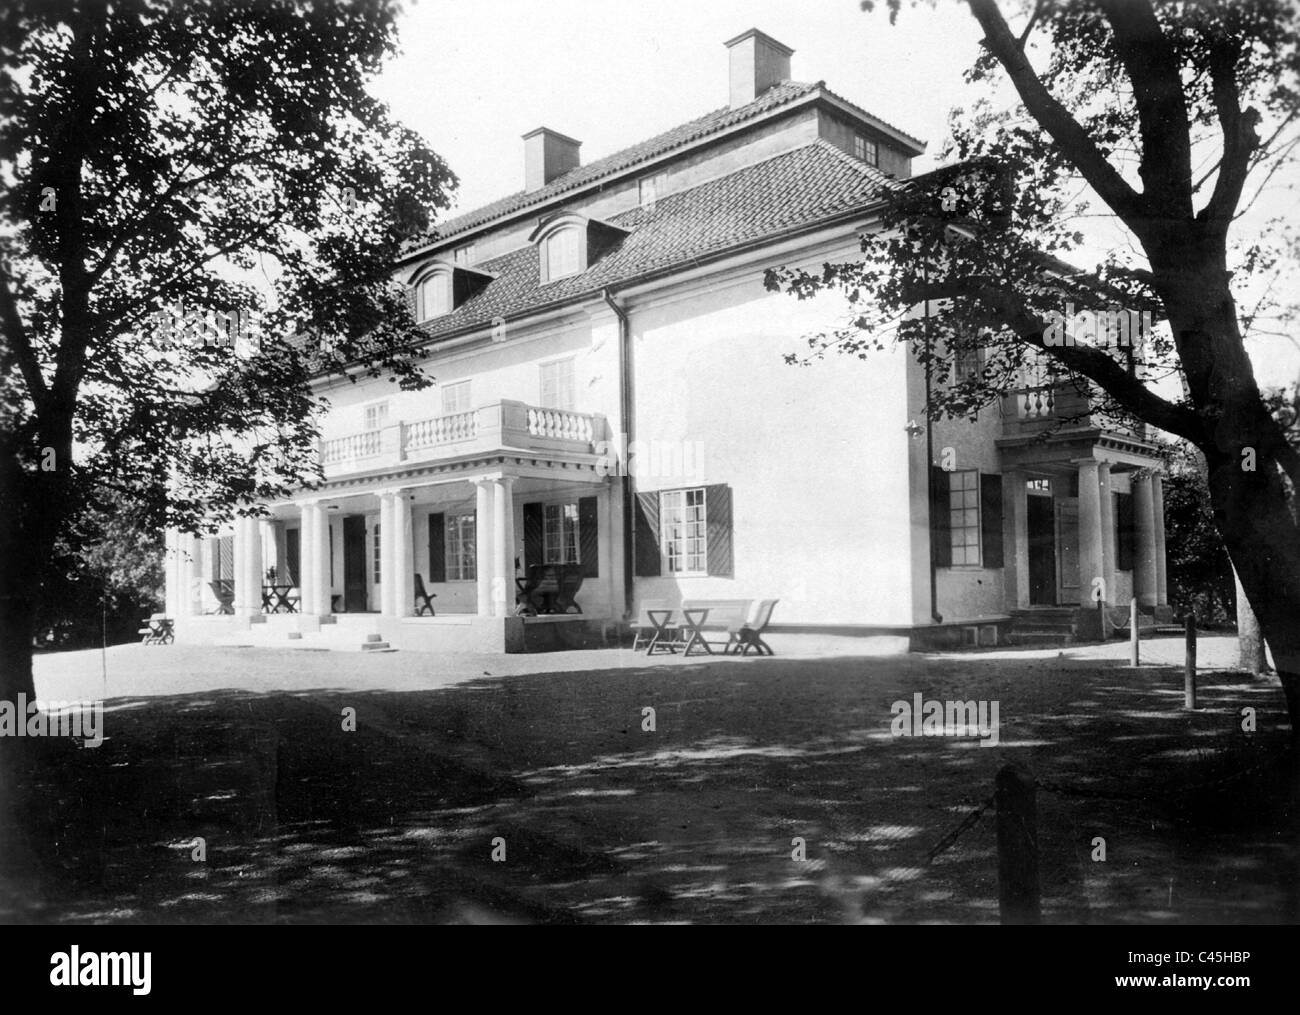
(710, 123)
(799, 187)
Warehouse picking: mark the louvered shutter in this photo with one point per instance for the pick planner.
(940, 523)
(991, 519)
(717, 523)
(533, 529)
(437, 547)
(588, 537)
(646, 533)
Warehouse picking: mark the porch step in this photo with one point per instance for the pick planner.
(1043, 626)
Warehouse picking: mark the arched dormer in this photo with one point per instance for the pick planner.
(569, 243)
(438, 287)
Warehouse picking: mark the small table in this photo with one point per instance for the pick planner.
(664, 633)
(279, 599)
(158, 631)
(695, 619)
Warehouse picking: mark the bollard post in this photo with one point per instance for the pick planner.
(1133, 632)
(1017, 824)
(1189, 667)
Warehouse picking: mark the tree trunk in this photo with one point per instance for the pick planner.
(1250, 640)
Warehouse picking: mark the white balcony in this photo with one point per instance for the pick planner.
(504, 425)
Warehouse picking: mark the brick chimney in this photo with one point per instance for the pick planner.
(547, 154)
(758, 62)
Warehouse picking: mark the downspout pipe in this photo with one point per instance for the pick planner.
(625, 425)
(935, 615)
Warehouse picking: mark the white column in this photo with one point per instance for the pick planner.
(503, 535)
(1107, 531)
(172, 572)
(387, 606)
(248, 567)
(403, 573)
(1158, 516)
(484, 561)
(1091, 564)
(188, 602)
(314, 564)
(239, 547)
(266, 543)
(1144, 552)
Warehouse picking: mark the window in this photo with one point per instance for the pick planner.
(682, 536)
(455, 398)
(651, 187)
(867, 151)
(376, 415)
(378, 577)
(434, 296)
(460, 548)
(968, 363)
(1039, 486)
(557, 385)
(464, 254)
(964, 517)
(560, 534)
(562, 253)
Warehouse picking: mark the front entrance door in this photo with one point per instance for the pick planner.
(356, 576)
(1042, 551)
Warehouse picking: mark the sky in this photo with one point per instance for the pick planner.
(475, 75)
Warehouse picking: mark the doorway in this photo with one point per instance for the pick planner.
(356, 576)
(1041, 525)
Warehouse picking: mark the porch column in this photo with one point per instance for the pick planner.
(484, 561)
(1107, 531)
(266, 532)
(503, 535)
(402, 575)
(387, 606)
(172, 572)
(1144, 564)
(248, 567)
(1091, 563)
(313, 546)
(190, 546)
(1016, 536)
(1158, 513)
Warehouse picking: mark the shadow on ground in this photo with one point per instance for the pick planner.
(604, 821)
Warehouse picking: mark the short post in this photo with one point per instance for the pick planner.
(1133, 632)
(1017, 824)
(1189, 667)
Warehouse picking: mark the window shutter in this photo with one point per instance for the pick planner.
(991, 519)
(588, 537)
(437, 548)
(1124, 543)
(647, 535)
(533, 528)
(940, 529)
(717, 525)
(225, 558)
(292, 554)
(413, 301)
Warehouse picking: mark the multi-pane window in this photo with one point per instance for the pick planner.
(560, 534)
(376, 415)
(376, 551)
(969, 363)
(455, 398)
(464, 254)
(866, 150)
(683, 534)
(558, 390)
(964, 516)
(562, 253)
(460, 548)
(434, 296)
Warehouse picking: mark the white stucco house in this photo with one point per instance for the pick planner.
(612, 394)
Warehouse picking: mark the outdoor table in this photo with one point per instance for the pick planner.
(664, 631)
(278, 599)
(695, 619)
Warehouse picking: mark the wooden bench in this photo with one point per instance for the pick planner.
(743, 620)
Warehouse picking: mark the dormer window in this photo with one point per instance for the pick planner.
(568, 244)
(434, 296)
(866, 150)
(439, 287)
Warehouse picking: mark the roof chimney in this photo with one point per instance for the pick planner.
(758, 62)
(547, 154)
